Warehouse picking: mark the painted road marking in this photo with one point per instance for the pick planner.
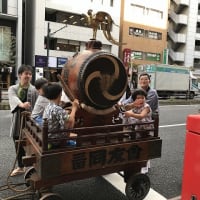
(118, 182)
(171, 125)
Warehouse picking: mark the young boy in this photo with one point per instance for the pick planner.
(57, 117)
(41, 101)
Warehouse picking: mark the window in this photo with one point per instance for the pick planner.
(66, 18)
(138, 55)
(111, 3)
(145, 33)
(3, 6)
(138, 32)
(5, 43)
(63, 45)
(154, 35)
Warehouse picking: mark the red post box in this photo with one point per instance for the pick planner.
(191, 165)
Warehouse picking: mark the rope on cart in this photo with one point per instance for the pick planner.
(10, 186)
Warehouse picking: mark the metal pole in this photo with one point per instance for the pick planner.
(47, 75)
(48, 38)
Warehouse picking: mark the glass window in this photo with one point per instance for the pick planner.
(3, 6)
(138, 32)
(5, 43)
(138, 55)
(154, 35)
(111, 3)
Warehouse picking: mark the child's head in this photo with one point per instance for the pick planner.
(139, 94)
(52, 90)
(39, 83)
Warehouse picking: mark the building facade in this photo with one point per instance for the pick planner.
(10, 40)
(144, 30)
(184, 33)
(55, 30)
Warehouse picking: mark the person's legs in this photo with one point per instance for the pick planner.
(19, 154)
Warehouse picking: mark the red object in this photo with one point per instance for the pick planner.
(126, 57)
(191, 168)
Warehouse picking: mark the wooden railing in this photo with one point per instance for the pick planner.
(88, 136)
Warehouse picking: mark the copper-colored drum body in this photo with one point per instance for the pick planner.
(97, 78)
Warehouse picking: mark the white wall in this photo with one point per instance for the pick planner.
(141, 16)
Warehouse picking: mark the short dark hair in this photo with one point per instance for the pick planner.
(145, 74)
(138, 92)
(40, 82)
(52, 90)
(24, 68)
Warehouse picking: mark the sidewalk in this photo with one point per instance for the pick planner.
(4, 105)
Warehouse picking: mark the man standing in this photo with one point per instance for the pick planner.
(22, 96)
(151, 99)
(152, 96)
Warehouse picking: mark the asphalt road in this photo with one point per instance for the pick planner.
(89, 189)
(165, 172)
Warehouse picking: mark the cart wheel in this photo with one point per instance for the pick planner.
(51, 196)
(137, 187)
(28, 174)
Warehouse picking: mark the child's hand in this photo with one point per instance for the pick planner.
(71, 120)
(128, 113)
(75, 103)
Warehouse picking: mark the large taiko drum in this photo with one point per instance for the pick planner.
(97, 78)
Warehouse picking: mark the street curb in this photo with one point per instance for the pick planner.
(178, 102)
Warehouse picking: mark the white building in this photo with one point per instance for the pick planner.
(10, 29)
(64, 41)
(184, 33)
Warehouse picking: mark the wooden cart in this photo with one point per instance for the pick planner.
(99, 150)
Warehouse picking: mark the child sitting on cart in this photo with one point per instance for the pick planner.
(41, 101)
(141, 112)
(57, 117)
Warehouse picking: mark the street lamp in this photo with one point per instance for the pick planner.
(49, 34)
